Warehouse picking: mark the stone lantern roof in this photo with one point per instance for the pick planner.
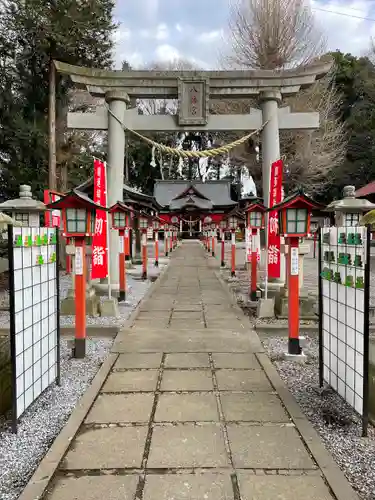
(349, 203)
(25, 202)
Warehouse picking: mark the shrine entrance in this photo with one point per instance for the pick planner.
(194, 90)
(190, 226)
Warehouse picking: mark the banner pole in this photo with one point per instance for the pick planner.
(107, 234)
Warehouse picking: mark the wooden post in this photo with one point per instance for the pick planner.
(166, 248)
(122, 268)
(233, 272)
(144, 254)
(127, 243)
(80, 298)
(293, 298)
(170, 241)
(253, 286)
(213, 243)
(52, 174)
(222, 248)
(156, 249)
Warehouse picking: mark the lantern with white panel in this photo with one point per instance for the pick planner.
(350, 209)
(294, 223)
(121, 215)
(255, 222)
(233, 221)
(213, 238)
(25, 210)
(78, 215)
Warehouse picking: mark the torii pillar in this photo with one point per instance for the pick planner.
(117, 101)
(269, 103)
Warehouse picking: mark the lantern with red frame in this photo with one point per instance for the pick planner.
(255, 222)
(121, 216)
(233, 220)
(255, 216)
(155, 227)
(78, 213)
(294, 223)
(144, 223)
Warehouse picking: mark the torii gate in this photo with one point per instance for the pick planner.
(117, 87)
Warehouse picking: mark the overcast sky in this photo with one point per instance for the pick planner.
(161, 30)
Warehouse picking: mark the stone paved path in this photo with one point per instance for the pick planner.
(187, 412)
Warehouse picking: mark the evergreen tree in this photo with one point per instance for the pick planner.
(33, 33)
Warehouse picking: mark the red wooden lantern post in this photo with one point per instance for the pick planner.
(78, 213)
(170, 238)
(156, 225)
(166, 247)
(121, 221)
(213, 236)
(294, 222)
(233, 225)
(223, 228)
(255, 222)
(143, 225)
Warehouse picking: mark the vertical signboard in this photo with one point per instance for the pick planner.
(99, 267)
(273, 220)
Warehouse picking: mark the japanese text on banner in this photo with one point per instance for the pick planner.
(99, 268)
(273, 220)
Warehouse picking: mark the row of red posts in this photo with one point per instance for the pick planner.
(294, 214)
(78, 220)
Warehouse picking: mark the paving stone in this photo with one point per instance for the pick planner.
(269, 447)
(188, 487)
(135, 360)
(186, 408)
(131, 381)
(242, 380)
(119, 408)
(282, 488)
(239, 361)
(187, 445)
(109, 448)
(94, 488)
(187, 360)
(187, 380)
(185, 315)
(255, 406)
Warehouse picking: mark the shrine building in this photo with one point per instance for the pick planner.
(188, 202)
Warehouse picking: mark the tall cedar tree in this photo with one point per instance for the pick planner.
(32, 32)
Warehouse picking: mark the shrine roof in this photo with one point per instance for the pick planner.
(190, 201)
(217, 192)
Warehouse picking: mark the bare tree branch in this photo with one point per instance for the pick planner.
(273, 34)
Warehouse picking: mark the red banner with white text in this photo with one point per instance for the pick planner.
(99, 268)
(276, 185)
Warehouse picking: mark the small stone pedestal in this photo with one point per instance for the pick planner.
(306, 303)
(68, 305)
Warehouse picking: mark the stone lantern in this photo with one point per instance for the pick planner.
(350, 209)
(25, 210)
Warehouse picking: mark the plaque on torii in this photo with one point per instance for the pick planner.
(193, 101)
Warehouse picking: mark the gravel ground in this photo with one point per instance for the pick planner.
(337, 423)
(20, 454)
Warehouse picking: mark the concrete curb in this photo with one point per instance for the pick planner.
(37, 486)
(39, 482)
(268, 330)
(333, 475)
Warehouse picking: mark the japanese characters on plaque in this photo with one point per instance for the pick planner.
(193, 109)
(273, 220)
(99, 268)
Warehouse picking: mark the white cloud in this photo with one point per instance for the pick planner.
(345, 30)
(135, 59)
(122, 34)
(166, 53)
(210, 36)
(179, 28)
(162, 32)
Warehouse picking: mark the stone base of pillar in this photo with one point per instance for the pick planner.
(129, 264)
(266, 308)
(109, 308)
(102, 289)
(307, 305)
(274, 288)
(68, 305)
